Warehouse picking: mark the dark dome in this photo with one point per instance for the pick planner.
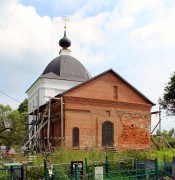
(66, 67)
(64, 42)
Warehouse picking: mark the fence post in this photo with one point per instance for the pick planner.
(107, 166)
(156, 169)
(22, 172)
(87, 168)
(173, 167)
(76, 171)
(45, 169)
(11, 172)
(136, 168)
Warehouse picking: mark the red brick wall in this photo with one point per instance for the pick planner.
(93, 103)
(131, 126)
(90, 105)
(103, 88)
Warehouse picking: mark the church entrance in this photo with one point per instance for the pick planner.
(107, 134)
(75, 137)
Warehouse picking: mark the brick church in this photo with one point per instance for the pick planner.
(68, 107)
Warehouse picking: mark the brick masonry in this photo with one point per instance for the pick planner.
(91, 104)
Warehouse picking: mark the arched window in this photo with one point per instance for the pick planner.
(107, 134)
(75, 137)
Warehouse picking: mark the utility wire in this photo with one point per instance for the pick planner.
(9, 97)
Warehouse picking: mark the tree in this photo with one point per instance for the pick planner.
(4, 122)
(168, 101)
(13, 125)
(23, 110)
(168, 135)
(18, 124)
(23, 107)
(171, 133)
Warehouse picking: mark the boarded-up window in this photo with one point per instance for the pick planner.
(115, 93)
(107, 113)
(75, 137)
(107, 134)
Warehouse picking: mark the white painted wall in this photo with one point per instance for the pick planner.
(44, 88)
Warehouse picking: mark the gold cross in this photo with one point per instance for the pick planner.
(65, 19)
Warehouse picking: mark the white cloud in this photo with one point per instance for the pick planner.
(158, 33)
(24, 29)
(136, 6)
(26, 44)
(135, 38)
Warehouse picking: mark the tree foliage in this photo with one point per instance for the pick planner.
(168, 100)
(13, 124)
(23, 107)
(4, 122)
(168, 135)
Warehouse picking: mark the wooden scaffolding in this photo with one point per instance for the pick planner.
(162, 139)
(39, 137)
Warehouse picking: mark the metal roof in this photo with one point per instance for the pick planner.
(81, 84)
(66, 67)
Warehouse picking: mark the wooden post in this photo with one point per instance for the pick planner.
(62, 125)
(96, 131)
(48, 126)
(33, 121)
(159, 128)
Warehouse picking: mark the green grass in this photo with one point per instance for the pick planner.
(64, 155)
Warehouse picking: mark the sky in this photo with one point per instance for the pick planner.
(134, 38)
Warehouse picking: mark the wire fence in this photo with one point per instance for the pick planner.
(124, 169)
